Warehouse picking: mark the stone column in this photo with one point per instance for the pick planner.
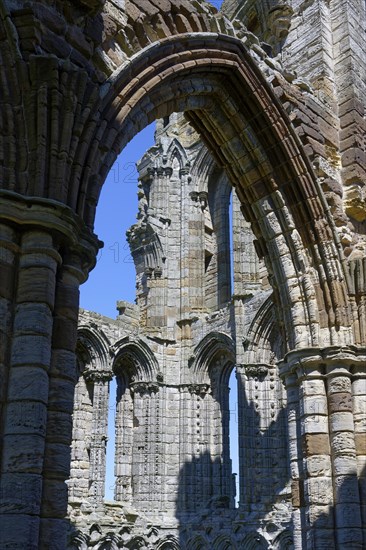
(99, 434)
(359, 419)
(196, 255)
(262, 439)
(25, 412)
(312, 491)
(9, 253)
(35, 456)
(295, 456)
(124, 442)
(328, 493)
(343, 446)
(186, 502)
(200, 482)
(143, 464)
(78, 484)
(62, 380)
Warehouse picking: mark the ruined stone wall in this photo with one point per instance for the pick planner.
(172, 455)
(280, 106)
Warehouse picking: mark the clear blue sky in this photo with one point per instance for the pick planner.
(113, 278)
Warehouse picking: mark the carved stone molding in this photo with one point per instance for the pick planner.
(321, 362)
(256, 371)
(198, 389)
(144, 388)
(97, 375)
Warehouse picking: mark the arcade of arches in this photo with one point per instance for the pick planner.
(261, 105)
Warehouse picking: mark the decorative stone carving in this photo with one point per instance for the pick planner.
(256, 371)
(144, 388)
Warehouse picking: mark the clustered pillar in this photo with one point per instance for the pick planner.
(39, 306)
(323, 397)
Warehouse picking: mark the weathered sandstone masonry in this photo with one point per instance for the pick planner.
(276, 92)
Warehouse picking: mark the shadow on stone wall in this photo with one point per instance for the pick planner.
(346, 515)
(207, 519)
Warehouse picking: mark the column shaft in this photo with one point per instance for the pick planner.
(344, 461)
(25, 414)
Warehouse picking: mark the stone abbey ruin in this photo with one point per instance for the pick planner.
(260, 106)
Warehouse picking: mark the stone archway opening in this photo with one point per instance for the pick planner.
(250, 137)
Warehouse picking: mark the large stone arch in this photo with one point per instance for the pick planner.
(258, 147)
(212, 346)
(265, 161)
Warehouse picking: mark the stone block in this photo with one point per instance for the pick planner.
(54, 499)
(350, 538)
(340, 402)
(315, 424)
(25, 535)
(23, 454)
(319, 491)
(7, 280)
(26, 418)
(64, 364)
(59, 427)
(64, 334)
(360, 443)
(314, 405)
(57, 460)
(36, 284)
(339, 384)
(33, 318)
(61, 395)
(320, 517)
(348, 516)
(316, 444)
(28, 383)
(359, 405)
(54, 530)
(359, 387)
(31, 350)
(319, 466)
(346, 489)
(341, 422)
(343, 443)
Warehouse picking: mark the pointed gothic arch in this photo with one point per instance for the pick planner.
(273, 158)
(144, 366)
(210, 346)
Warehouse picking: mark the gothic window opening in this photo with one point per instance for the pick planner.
(234, 433)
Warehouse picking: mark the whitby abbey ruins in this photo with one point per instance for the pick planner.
(250, 255)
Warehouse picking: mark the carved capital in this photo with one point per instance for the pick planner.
(148, 272)
(203, 198)
(256, 371)
(144, 388)
(97, 375)
(198, 389)
(323, 362)
(53, 217)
